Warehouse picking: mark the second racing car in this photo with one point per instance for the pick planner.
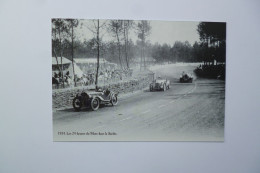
(160, 84)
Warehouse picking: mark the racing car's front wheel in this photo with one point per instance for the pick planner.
(94, 104)
(114, 100)
(164, 87)
(151, 88)
(77, 104)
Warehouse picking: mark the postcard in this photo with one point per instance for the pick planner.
(138, 80)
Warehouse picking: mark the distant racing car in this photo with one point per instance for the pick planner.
(186, 77)
(160, 84)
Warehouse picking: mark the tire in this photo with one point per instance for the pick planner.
(114, 100)
(77, 104)
(94, 104)
(151, 88)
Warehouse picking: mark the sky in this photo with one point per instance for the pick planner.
(169, 32)
(161, 32)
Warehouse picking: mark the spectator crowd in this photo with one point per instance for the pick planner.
(106, 76)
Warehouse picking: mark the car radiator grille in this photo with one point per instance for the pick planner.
(157, 85)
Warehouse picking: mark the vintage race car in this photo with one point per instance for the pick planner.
(160, 84)
(186, 77)
(93, 100)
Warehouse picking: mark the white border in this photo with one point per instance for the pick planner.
(26, 115)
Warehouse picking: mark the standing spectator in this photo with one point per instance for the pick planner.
(55, 75)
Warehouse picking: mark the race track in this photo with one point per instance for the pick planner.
(185, 112)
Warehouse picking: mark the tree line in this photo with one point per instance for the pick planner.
(212, 41)
(119, 50)
(124, 51)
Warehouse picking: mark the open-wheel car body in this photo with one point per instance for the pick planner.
(186, 78)
(93, 100)
(160, 84)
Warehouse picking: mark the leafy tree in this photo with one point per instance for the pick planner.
(72, 23)
(127, 25)
(166, 52)
(59, 39)
(213, 38)
(96, 32)
(143, 31)
(115, 27)
(197, 52)
(156, 52)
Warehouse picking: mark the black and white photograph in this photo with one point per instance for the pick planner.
(138, 80)
(137, 86)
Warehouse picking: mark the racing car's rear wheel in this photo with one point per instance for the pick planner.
(94, 104)
(77, 104)
(114, 100)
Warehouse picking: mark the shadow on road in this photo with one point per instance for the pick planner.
(83, 109)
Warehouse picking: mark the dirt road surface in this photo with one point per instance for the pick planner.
(185, 112)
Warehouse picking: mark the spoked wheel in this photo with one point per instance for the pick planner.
(151, 88)
(94, 104)
(77, 104)
(114, 100)
(164, 87)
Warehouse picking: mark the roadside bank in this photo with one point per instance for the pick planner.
(62, 98)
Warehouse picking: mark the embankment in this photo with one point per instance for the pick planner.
(62, 98)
